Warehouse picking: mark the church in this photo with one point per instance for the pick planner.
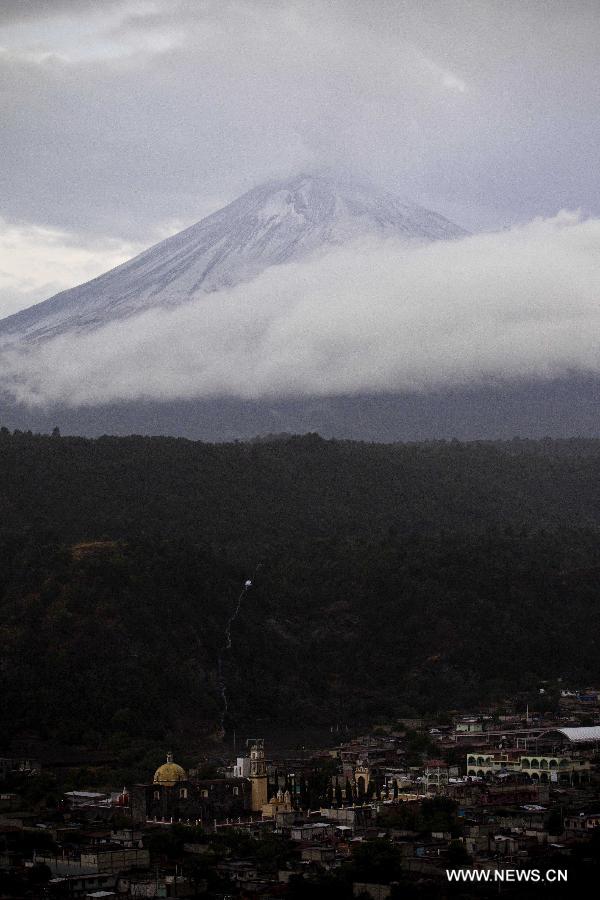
(175, 796)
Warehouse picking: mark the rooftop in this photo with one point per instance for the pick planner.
(582, 734)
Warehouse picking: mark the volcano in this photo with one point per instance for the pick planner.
(275, 223)
(280, 222)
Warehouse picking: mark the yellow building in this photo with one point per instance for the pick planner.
(258, 774)
(280, 803)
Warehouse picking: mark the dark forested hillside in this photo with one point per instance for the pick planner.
(392, 578)
(288, 490)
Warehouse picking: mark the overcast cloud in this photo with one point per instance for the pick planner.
(376, 316)
(125, 120)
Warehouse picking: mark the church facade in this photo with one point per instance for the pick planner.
(175, 797)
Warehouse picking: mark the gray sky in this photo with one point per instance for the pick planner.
(124, 121)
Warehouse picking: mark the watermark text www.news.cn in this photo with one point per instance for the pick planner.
(535, 876)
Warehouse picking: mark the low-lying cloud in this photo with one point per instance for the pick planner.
(374, 316)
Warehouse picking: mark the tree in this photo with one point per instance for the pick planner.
(554, 822)
(457, 854)
(338, 793)
(349, 792)
(39, 874)
(376, 860)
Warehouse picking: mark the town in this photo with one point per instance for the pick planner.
(393, 809)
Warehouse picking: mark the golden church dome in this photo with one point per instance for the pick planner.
(169, 773)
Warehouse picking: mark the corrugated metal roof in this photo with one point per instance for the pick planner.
(581, 734)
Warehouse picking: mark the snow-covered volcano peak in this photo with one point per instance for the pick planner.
(334, 206)
(274, 223)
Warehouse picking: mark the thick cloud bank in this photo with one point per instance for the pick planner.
(373, 316)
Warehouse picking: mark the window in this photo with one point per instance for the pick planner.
(183, 793)
(236, 791)
(157, 795)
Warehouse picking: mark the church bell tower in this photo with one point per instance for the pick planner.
(258, 773)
